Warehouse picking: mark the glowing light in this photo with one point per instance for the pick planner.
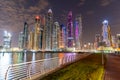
(5, 32)
(50, 11)
(9, 35)
(105, 22)
(37, 17)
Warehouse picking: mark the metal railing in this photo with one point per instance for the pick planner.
(29, 69)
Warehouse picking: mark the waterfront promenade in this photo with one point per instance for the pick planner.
(112, 68)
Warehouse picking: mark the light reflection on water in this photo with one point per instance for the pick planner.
(7, 59)
(15, 58)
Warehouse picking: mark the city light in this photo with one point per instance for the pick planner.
(105, 22)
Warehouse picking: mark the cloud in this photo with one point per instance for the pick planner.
(82, 2)
(106, 2)
(13, 13)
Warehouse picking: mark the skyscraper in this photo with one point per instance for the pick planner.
(64, 36)
(43, 25)
(55, 36)
(106, 33)
(118, 41)
(37, 33)
(31, 40)
(7, 40)
(97, 41)
(49, 27)
(78, 32)
(25, 36)
(70, 39)
(20, 40)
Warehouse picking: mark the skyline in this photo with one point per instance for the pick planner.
(13, 15)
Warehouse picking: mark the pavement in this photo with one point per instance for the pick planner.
(112, 67)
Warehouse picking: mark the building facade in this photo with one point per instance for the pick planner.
(25, 36)
(7, 40)
(97, 41)
(118, 40)
(55, 36)
(37, 33)
(21, 41)
(106, 34)
(70, 38)
(78, 32)
(49, 28)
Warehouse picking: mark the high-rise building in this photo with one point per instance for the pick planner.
(70, 38)
(97, 41)
(118, 40)
(55, 36)
(114, 41)
(25, 36)
(78, 32)
(37, 33)
(106, 34)
(7, 40)
(43, 33)
(62, 36)
(31, 40)
(20, 40)
(49, 27)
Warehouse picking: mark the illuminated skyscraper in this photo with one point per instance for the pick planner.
(70, 39)
(114, 42)
(7, 40)
(118, 40)
(106, 34)
(25, 36)
(55, 36)
(37, 33)
(20, 40)
(63, 37)
(97, 41)
(49, 27)
(44, 33)
(78, 32)
(31, 40)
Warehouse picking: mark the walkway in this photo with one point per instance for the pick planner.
(112, 67)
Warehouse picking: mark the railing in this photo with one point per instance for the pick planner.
(29, 69)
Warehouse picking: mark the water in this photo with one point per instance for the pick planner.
(7, 59)
(15, 58)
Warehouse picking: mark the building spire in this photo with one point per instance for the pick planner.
(50, 11)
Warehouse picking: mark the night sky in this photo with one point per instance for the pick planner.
(13, 14)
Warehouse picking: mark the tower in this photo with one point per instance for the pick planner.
(97, 41)
(20, 40)
(70, 39)
(78, 32)
(55, 36)
(37, 33)
(44, 33)
(106, 34)
(118, 41)
(25, 36)
(7, 40)
(31, 40)
(63, 37)
(49, 27)
(77, 36)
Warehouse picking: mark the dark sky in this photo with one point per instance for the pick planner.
(13, 13)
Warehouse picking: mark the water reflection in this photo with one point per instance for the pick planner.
(15, 58)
